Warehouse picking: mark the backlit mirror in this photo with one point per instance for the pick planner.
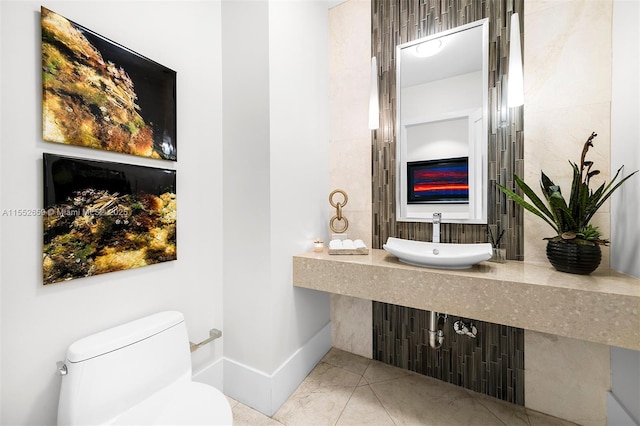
(442, 130)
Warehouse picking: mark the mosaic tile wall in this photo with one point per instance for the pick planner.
(398, 21)
(492, 363)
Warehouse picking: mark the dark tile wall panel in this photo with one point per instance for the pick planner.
(492, 363)
(398, 21)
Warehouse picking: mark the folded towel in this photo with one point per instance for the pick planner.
(335, 244)
(359, 244)
(348, 244)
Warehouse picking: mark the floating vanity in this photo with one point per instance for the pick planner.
(603, 307)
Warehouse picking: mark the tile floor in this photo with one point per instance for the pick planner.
(347, 389)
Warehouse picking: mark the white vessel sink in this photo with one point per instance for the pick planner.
(438, 255)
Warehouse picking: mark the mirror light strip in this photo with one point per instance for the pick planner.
(374, 108)
(515, 79)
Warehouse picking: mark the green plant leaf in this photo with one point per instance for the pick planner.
(608, 194)
(616, 177)
(576, 184)
(566, 221)
(592, 204)
(523, 203)
(583, 204)
(590, 233)
(547, 185)
(577, 175)
(526, 190)
(558, 207)
(548, 188)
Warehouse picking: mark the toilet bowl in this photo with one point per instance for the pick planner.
(180, 404)
(137, 373)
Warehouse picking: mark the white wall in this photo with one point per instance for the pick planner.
(1, 222)
(625, 136)
(270, 207)
(299, 108)
(625, 150)
(38, 322)
(246, 168)
(275, 162)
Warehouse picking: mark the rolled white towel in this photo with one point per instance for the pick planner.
(335, 244)
(359, 244)
(348, 244)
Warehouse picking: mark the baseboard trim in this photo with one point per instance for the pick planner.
(267, 392)
(211, 374)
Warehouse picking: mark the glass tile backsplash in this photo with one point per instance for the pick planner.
(492, 363)
(394, 22)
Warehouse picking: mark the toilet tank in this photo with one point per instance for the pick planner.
(113, 370)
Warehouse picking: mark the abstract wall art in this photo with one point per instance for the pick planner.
(438, 181)
(102, 217)
(99, 94)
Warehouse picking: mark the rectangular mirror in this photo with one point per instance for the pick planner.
(442, 126)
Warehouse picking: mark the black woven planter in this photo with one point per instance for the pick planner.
(573, 258)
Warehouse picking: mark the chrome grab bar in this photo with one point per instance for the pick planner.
(214, 334)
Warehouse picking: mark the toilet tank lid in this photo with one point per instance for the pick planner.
(123, 335)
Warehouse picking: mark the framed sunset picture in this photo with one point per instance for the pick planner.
(438, 181)
(99, 94)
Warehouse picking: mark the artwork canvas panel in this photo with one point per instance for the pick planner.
(438, 181)
(103, 217)
(99, 94)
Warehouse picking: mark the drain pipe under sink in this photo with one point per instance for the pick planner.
(436, 335)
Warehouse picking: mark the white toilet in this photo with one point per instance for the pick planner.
(138, 373)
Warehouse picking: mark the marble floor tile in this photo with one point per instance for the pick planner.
(321, 397)
(380, 372)
(509, 414)
(364, 408)
(320, 407)
(246, 416)
(347, 389)
(325, 374)
(350, 362)
(412, 400)
(540, 419)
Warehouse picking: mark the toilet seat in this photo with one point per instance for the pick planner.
(183, 403)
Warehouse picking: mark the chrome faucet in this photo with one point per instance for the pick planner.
(436, 227)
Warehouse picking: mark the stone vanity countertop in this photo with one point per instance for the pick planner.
(603, 307)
